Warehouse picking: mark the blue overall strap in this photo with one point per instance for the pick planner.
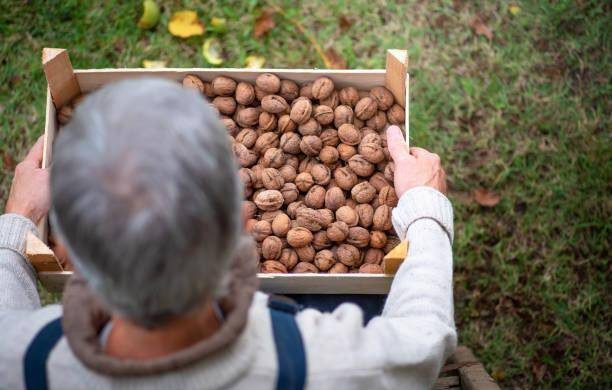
(35, 359)
(289, 346)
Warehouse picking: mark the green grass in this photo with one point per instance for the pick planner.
(525, 114)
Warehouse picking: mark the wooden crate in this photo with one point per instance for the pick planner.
(62, 80)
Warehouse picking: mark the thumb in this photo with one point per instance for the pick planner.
(396, 144)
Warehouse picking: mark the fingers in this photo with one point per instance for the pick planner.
(397, 144)
(418, 152)
(35, 154)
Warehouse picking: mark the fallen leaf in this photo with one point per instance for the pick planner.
(264, 23)
(336, 61)
(486, 197)
(150, 15)
(8, 161)
(212, 51)
(185, 24)
(255, 62)
(344, 22)
(218, 24)
(514, 9)
(154, 64)
(480, 28)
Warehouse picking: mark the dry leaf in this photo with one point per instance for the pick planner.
(153, 64)
(514, 9)
(344, 22)
(255, 62)
(264, 23)
(185, 24)
(335, 60)
(8, 161)
(480, 28)
(486, 197)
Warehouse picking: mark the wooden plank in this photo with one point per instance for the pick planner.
(392, 260)
(447, 383)
(472, 372)
(40, 255)
(50, 132)
(60, 76)
(54, 281)
(395, 75)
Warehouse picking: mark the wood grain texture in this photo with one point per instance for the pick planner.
(40, 255)
(60, 76)
(395, 74)
(472, 372)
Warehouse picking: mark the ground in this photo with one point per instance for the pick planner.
(515, 101)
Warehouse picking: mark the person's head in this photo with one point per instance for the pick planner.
(146, 197)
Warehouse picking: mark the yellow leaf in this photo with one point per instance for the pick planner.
(150, 15)
(185, 24)
(153, 64)
(255, 62)
(514, 9)
(218, 24)
(212, 51)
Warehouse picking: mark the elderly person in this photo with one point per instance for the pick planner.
(145, 198)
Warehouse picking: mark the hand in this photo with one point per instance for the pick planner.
(30, 191)
(414, 167)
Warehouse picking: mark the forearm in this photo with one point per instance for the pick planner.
(17, 276)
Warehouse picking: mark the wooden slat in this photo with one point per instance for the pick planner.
(40, 255)
(472, 372)
(447, 383)
(60, 76)
(395, 75)
(50, 132)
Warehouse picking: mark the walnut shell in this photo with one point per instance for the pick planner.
(299, 237)
(288, 258)
(345, 152)
(348, 255)
(245, 156)
(303, 267)
(347, 215)
(301, 110)
(289, 90)
(246, 177)
(329, 137)
(390, 171)
(267, 122)
(370, 269)
(261, 230)
(349, 96)
(378, 181)
(383, 97)
(281, 224)
(288, 173)
(378, 122)
(290, 143)
(306, 90)
(373, 255)
(304, 181)
(268, 83)
(226, 105)
(325, 259)
(334, 198)
(323, 114)
(327, 217)
(338, 231)
(365, 108)
(272, 179)
(363, 192)
(269, 200)
(293, 207)
(245, 93)
(306, 253)
(387, 196)
(365, 212)
(349, 134)
(247, 137)
(396, 115)
(271, 248)
(338, 268)
(256, 180)
(231, 126)
(290, 193)
(311, 145)
(310, 127)
(331, 101)
(382, 218)
(249, 209)
(345, 178)
(193, 82)
(343, 114)
(247, 117)
(272, 267)
(361, 166)
(358, 237)
(322, 88)
(274, 158)
(309, 218)
(223, 86)
(274, 104)
(371, 148)
(315, 197)
(266, 141)
(378, 239)
(306, 164)
(320, 240)
(329, 155)
(320, 174)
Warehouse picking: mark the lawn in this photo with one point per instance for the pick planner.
(516, 103)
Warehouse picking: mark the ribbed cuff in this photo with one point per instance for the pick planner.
(13, 232)
(423, 202)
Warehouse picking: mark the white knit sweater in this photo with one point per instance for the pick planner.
(404, 348)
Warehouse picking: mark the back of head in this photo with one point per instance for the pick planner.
(146, 197)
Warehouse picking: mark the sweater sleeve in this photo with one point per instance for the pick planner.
(17, 276)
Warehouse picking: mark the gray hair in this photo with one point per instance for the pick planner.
(147, 199)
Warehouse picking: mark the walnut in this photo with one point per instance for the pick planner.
(256, 180)
(383, 97)
(322, 88)
(272, 179)
(378, 181)
(361, 166)
(223, 86)
(329, 155)
(345, 152)
(371, 149)
(269, 200)
(320, 240)
(387, 196)
(349, 96)
(260, 93)
(290, 143)
(231, 126)
(303, 267)
(247, 137)
(348, 134)
(329, 137)
(293, 161)
(327, 217)
(324, 260)
(310, 127)
(343, 114)
(309, 218)
(358, 237)
(261, 230)
(347, 215)
(365, 212)
(288, 173)
(306, 90)
(265, 142)
(250, 225)
(268, 83)
(331, 101)
(338, 231)
(358, 123)
(193, 82)
(269, 216)
(274, 104)
(311, 145)
(348, 255)
(271, 248)
(396, 115)
(373, 255)
(315, 197)
(245, 156)
(392, 242)
(378, 239)
(306, 164)
(334, 198)
(390, 171)
(345, 178)
(382, 218)
(378, 121)
(321, 174)
(338, 268)
(246, 176)
(226, 105)
(274, 158)
(370, 269)
(247, 117)
(272, 267)
(323, 114)
(365, 108)
(289, 90)
(306, 253)
(290, 193)
(304, 181)
(245, 93)
(285, 124)
(293, 207)
(363, 192)
(301, 110)
(351, 203)
(288, 258)
(299, 237)
(249, 209)
(267, 121)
